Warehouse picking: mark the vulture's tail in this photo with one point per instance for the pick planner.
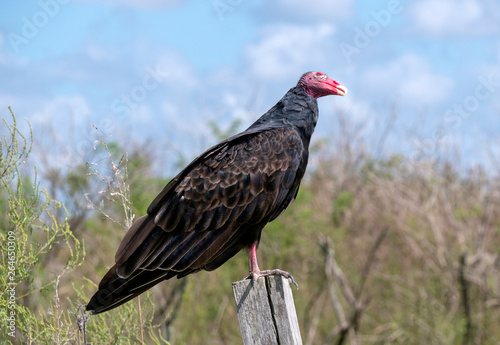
(114, 290)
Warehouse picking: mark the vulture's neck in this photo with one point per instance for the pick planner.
(296, 109)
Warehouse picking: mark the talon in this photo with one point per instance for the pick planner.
(253, 276)
(292, 281)
(276, 272)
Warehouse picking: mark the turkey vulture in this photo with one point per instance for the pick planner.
(221, 201)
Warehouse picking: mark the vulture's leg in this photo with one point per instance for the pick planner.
(256, 273)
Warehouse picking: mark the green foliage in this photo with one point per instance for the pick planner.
(340, 205)
(14, 148)
(27, 239)
(37, 254)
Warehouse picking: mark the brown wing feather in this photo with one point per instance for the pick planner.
(239, 183)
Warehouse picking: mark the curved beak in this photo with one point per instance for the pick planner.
(341, 90)
(335, 87)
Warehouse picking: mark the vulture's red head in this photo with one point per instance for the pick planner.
(317, 84)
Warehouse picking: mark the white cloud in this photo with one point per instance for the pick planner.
(175, 70)
(98, 53)
(288, 49)
(410, 77)
(141, 114)
(185, 126)
(299, 10)
(63, 112)
(449, 17)
(230, 99)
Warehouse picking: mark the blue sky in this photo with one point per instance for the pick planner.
(157, 72)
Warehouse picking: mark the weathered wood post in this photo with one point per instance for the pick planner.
(266, 312)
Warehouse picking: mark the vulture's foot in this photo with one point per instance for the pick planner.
(276, 272)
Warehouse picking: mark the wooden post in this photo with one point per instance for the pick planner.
(266, 312)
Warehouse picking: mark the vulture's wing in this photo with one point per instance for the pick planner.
(246, 180)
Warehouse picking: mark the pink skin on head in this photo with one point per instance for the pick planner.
(317, 84)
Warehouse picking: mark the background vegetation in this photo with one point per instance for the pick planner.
(386, 250)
